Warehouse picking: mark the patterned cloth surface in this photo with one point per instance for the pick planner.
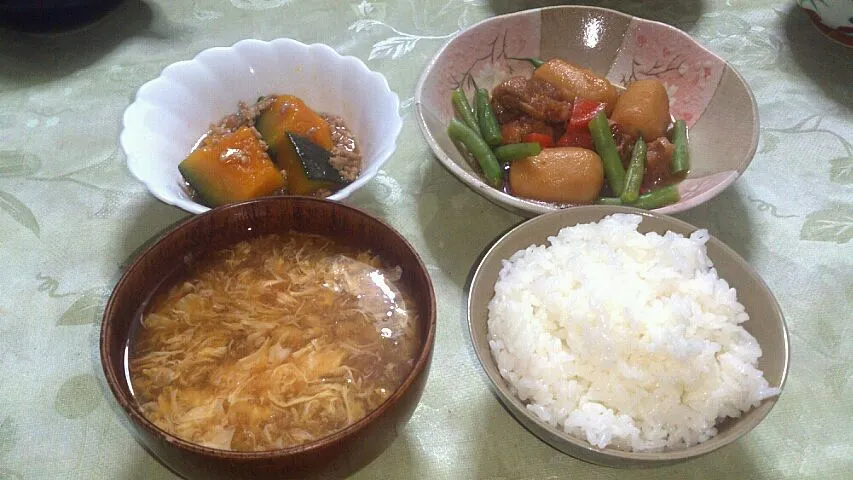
(71, 215)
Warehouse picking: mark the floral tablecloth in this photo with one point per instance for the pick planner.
(71, 215)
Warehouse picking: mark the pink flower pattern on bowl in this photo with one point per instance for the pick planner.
(484, 59)
(689, 72)
(704, 90)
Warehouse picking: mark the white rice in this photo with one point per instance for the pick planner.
(626, 340)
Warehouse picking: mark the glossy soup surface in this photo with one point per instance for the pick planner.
(272, 343)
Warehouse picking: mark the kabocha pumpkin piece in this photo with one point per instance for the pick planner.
(289, 114)
(307, 167)
(232, 168)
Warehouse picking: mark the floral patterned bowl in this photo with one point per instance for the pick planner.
(834, 18)
(704, 90)
(171, 112)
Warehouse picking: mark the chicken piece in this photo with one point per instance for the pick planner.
(514, 131)
(534, 97)
(504, 114)
(658, 162)
(624, 142)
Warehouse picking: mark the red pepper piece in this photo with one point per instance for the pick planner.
(579, 137)
(583, 111)
(544, 141)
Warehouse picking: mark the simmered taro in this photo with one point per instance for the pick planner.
(594, 143)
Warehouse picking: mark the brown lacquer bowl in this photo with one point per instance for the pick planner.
(334, 456)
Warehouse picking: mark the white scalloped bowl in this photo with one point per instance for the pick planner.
(171, 112)
(704, 90)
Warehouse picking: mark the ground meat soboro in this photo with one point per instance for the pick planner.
(346, 157)
(245, 117)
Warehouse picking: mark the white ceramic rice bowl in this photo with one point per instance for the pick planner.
(171, 112)
(766, 325)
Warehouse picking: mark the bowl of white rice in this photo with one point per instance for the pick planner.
(626, 338)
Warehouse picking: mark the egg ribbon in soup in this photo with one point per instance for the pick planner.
(272, 343)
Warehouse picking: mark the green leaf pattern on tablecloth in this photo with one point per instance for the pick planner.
(841, 170)
(768, 207)
(833, 224)
(395, 46)
(50, 285)
(739, 41)
(259, 4)
(78, 396)
(838, 376)
(73, 213)
(770, 143)
(8, 439)
(15, 163)
(814, 124)
(20, 212)
(365, 9)
(8, 435)
(6, 474)
(86, 310)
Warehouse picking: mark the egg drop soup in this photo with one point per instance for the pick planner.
(272, 343)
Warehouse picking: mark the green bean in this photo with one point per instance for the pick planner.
(658, 198)
(489, 127)
(599, 129)
(634, 175)
(610, 201)
(475, 144)
(681, 157)
(655, 199)
(517, 151)
(533, 61)
(475, 107)
(463, 109)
